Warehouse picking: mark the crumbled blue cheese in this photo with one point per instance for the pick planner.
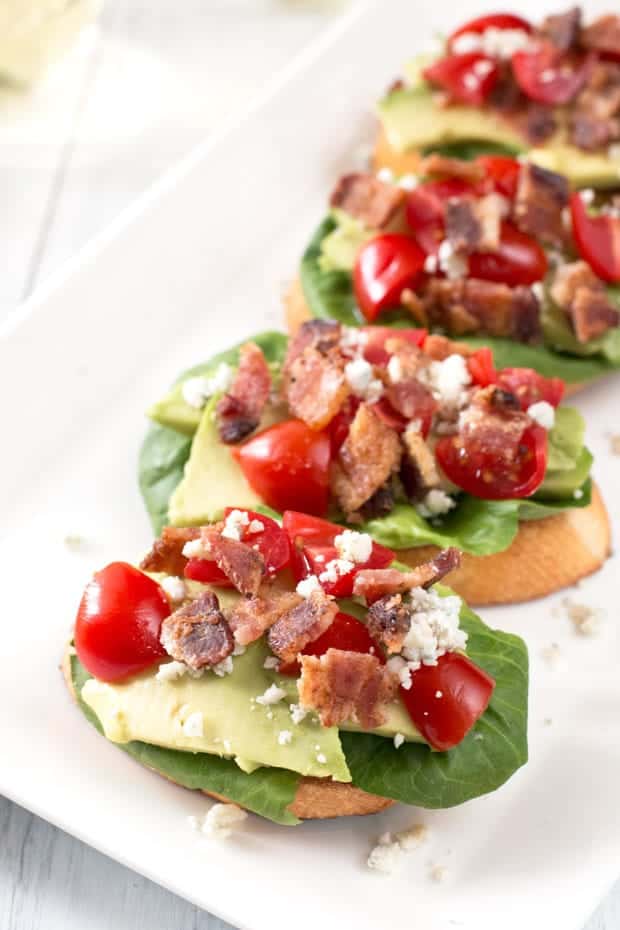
(399, 667)
(352, 340)
(194, 724)
(272, 695)
(353, 546)
(224, 667)
(386, 175)
(434, 628)
(197, 391)
(450, 261)
(395, 369)
(542, 413)
(172, 671)
(386, 856)
(360, 377)
(408, 182)
(175, 588)
(222, 820)
(538, 290)
(298, 713)
(321, 758)
(431, 264)
(448, 380)
(399, 739)
(271, 662)
(284, 737)
(435, 503)
(306, 586)
(494, 42)
(194, 549)
(587, 196)
(235, 525)
(335, 569)
(256, 526)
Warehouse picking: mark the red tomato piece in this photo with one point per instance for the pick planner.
(384, 267)
(492, 21)
(446, 700)
(426, 210)
(206, 571)
(466, 78)
(484, 474)
(288, 466)
(598, 239)
(502, 174)
(377, 336)
(118, 622)
(531, 387)
(519, 260)
(482, 368)
(338, 427)
(547, 76)
(346, 633)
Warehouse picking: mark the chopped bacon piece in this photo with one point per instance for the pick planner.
(197, 634)
(301, 625)
(540, 199)
(474, 225)
(315, 387)
(415, 306)
(539, 123)
(346, 687)
(440, 347)
(166, 554)
(594, 122)
(441, 166)
(322, 335)
(388, 622)
(591, 133)
(374, 203)
(603, 35)
(374, 583)
(418, 470)
(563, 29)
(495, 422)
(250, 617)
(583, 297)
(240, 562)
(475, 306)
(368, 457)
(506, 95)
(239, 411)
(403, 390)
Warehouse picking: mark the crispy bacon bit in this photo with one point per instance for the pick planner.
(368, 199)
(418, 470)
(301, 625)
(594, 122)
(583, 297)
(403, 389)
(562, 30)
(603, 35)
(541, 196)
(249, 618)
(239, 411)
(388, 622)
(321, 335)
(474, 306)
(241, 564)
(474, 225)
(441, 166)
(493, 422)
(591, 133)
(346, 686)
(315, 387)
(440, 347)
(506, 95)
(374, 583)
(539, 123)
(415, 306)
(166, 554)
(368, 457)
(197, 634)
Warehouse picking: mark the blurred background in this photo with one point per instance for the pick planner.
(97, 100)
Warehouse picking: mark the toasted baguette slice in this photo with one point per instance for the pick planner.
(315, 799)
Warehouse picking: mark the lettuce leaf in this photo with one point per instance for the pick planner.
(330, 296)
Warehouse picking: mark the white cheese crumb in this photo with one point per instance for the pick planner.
(284, 737)
(438, 873)
(399, 739)
(448, 380)
(430, 264)
(235, 525)
(194, 724)
(438, 694)
(306, 586)
(412, 837)
(352, 341)
(434, 629)
(171, 671)
(256, 526)
(272, 695)
(227, 746)
(224, 667)
(175, 588)
(585, 619)
(238, 649)
(450, 262)
(435, 503)
(321, 758)
(578, 494)
(335, 570)
(359, 375)
(353, 546)
(387, 855)
(587, 196)
(298, 713)
(494, 42)
(271, 662)
(222, 820)
(395, 369)
(193, 549)
(408, 182)
(399, 667)
(542, 413)
(196, 391)
(538, 290)
(386, 175)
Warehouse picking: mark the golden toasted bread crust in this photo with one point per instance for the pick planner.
(315, 799)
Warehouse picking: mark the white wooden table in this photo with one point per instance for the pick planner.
(145, 84)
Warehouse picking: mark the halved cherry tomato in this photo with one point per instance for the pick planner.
(376, 337)
(547, 76)
(426, 210)
(466, 78)
(384, 267)
(483, 473)
(502, 174)
(530, 387)
(597, 238)
(482, 368)
(519, 260)
(288, 466)
(272, 543)
(339, 426)
(346, 633)
(492, 21)
(446, 700)
(118, 622)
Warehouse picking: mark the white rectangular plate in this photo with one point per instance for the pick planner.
(196, 266)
